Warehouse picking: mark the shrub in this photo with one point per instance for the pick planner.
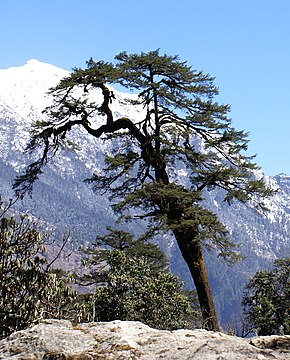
(129, 288)
(267, 300)
(22, 279)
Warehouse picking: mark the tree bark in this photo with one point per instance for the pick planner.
(191, 250)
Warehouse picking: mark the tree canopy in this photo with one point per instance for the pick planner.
(178, 125)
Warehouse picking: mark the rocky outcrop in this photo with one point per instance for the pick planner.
(63, 340)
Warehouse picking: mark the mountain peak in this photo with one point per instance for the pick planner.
(33, 65)
(24, 88)
(37, 64)
(34, 62)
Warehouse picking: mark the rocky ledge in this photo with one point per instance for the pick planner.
(63, 340)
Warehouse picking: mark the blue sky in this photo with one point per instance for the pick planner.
(245, 44)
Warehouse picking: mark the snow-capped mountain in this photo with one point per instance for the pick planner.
(66, 205)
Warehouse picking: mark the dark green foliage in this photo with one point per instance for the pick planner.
(132, 283)
(131, 288)
(28, 290)
(22, 281)
(267, 300)
(125, 242)
(183, 211)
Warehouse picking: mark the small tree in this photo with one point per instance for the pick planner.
(125, 242)
(129, 286)
(28, 290)
(178, 124)
(22, 280)
(267, 300)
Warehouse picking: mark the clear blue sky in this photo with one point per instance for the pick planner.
(245, 44)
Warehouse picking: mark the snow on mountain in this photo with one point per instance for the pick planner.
(24, 88)
(67, 205)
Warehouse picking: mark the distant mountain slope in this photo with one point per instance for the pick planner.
(66, 204)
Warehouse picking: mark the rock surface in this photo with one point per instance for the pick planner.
(62, 340)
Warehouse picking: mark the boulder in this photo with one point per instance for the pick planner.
(64, 340)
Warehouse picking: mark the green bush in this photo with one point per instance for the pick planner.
(29, 291)
(267, 300)
(130, 287)
(22, 279)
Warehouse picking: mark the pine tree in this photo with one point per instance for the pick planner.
(179, 125)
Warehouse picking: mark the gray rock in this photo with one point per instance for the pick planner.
(62, 340)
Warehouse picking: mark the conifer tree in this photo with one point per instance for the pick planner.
(179, 126)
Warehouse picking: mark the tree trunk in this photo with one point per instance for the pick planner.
(191, 251)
